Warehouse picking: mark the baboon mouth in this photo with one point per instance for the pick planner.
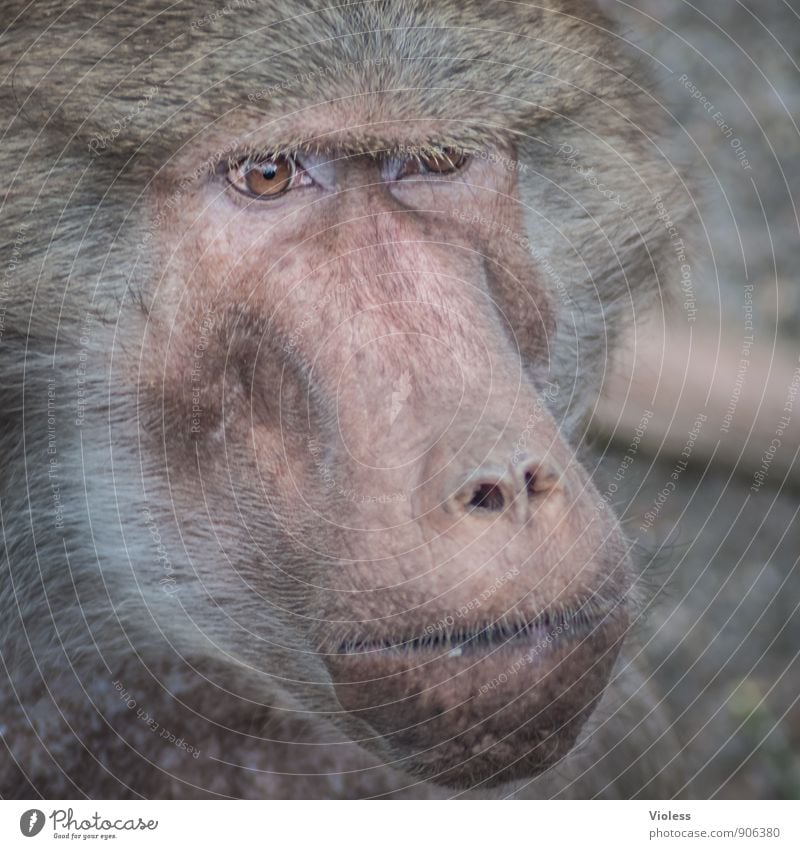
(487, 702)
(447, 637)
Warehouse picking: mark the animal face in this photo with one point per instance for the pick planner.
(340, 284)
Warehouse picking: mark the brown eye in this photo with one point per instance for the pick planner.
(263, 177)
(443, 160)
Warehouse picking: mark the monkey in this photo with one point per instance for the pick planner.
(304, 308)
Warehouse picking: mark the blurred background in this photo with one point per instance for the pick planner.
(712, 495)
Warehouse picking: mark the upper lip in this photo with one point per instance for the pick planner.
(447, 634)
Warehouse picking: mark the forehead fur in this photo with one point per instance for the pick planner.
(390, 66)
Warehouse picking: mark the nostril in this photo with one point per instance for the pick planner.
(491, 490)
(487, 496)
(539, 479)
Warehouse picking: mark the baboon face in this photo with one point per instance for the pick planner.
(370, 296)
(352, 356)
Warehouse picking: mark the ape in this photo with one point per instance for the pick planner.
(304, 306)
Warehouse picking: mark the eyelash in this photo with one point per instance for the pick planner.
(239, 169)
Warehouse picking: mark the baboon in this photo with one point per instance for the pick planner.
(304, 310)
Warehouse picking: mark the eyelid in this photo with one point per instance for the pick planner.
(453, 158)
(394, 166)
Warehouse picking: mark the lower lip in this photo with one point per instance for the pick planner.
(543, 637)
(472, 664)
(491, 713)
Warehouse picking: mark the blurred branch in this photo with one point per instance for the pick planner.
(747, 387)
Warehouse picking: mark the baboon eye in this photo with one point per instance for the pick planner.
(263, 176)
(443, 160)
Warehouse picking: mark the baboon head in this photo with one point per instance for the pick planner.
(341, 283)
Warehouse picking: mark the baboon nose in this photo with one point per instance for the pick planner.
(493, 489)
